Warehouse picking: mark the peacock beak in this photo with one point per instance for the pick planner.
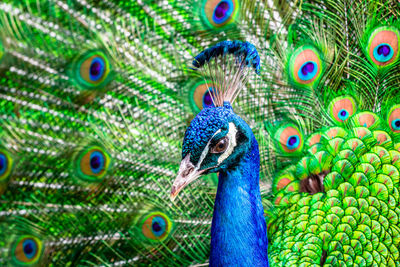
(187, 173)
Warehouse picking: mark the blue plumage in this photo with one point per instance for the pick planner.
(239, 232)
(201, 129)
(218, 140)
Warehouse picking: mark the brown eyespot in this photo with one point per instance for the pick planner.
(220, 146)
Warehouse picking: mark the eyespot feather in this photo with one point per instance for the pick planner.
(217, 14)
(7, 163)
(289, 139)
(305, 66)
(342, 108)
(91, 70)
(26, 250)
(91, 163)
(393, 118)
(383, 46)
(200, 95)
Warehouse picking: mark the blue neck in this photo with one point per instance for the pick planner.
(238, 231)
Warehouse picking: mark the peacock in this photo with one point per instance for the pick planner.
(96, 98)
(218, 140)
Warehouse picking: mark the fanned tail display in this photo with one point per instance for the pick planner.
(95, 98)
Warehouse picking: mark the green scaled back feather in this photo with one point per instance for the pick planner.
(336, 204)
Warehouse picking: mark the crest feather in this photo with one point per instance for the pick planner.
(227, 65)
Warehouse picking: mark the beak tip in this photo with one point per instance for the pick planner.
(174, 193)
(186, 174)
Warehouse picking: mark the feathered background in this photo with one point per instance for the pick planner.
(95, 97)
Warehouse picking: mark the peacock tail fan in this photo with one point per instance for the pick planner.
(84, 189)
(92, 116)
(104, 234)
(95, 97)
(335, 187)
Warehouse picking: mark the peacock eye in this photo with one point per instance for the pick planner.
(394, 119)
(200, 95)
(27, 250)
(6, 165)
(293, 142)
(305, 66)
(156, 226)
(383, 52)
(220, 146)
(343, 114)
(341, 108)
(217, 14)
(94, 69)
(92, 163)
(289, 139)
(396, 124)
(91, 70)
(382, 46)
(308, 70)
(207, 98)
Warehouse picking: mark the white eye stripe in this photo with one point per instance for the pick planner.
(205, 150)
(232, 143)
(231, 146)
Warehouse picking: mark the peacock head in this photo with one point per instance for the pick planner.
(217, 138)
(215, 141)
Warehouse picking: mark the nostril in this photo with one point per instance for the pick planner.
(187, 171)
(323, 258)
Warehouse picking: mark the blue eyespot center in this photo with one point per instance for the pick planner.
(207, 99)
(3, 164)
(396, 124)
(30, 248)
(221, 9)
(96, 162)
(97, 69)
(222, 12)
(343, 114)
(293, 142)
(308, 70)
(158, 226)
(308, 67)
(383, 52)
